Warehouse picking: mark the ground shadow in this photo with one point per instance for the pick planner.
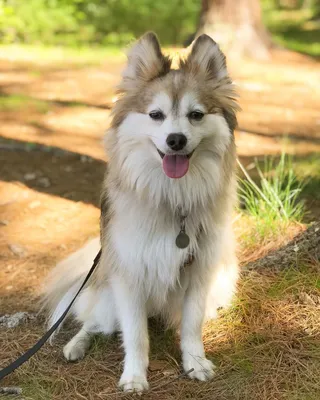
(78, 177)
(52, 170)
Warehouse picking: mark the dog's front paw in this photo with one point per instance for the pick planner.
(203, 369)
(133, 383)
(74, 351)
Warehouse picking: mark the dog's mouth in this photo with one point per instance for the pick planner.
(175, 165)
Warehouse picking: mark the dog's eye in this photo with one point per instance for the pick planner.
(156, 115)
(196, 115)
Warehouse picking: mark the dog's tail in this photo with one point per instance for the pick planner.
(66, 279)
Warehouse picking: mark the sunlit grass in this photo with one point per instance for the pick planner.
(64, 56)
(273, 202)
(308, 170)
(295, 281)
(265, 343)
(18, 102)
(269, 334)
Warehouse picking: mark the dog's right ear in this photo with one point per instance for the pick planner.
(145, 60)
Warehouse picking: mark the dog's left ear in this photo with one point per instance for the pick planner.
(145, 60)
(206, 58)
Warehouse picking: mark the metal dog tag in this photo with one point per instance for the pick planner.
(182, 240)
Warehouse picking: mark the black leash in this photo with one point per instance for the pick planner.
(29, 353)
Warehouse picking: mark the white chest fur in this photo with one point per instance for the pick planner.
(144, 240)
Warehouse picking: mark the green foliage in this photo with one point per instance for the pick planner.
(117, 22)
(297, 29)
(36, 20)
(273, 202)
(67, 22)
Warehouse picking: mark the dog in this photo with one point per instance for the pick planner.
(167, 246)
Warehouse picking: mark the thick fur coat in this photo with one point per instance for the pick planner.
(171, 165)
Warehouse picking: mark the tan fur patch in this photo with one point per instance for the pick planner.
(203, 73)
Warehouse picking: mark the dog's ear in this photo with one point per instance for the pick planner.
(145, 60)
(206, 58)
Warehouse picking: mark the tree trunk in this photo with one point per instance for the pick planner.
(236, 25)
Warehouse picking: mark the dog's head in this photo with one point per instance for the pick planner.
(169, 119)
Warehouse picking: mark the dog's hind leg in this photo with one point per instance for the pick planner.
(77, 347)
(100, 318)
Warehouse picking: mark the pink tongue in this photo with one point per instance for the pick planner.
(175, 166)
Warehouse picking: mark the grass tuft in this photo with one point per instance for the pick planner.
(273, 202)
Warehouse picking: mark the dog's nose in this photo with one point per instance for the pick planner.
(176, 141)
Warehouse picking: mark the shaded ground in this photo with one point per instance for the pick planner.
(52, 118)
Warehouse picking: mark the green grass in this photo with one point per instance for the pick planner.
(270, 334)
(38, 388)
(100, 343)
(294, 281)
(19, 102)
(61, 56)
(294, 29)
(273, 201)
(308, 166)
(308, 170)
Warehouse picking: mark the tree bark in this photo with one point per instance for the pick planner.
(236, 25)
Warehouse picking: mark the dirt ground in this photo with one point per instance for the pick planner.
(52, 120)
